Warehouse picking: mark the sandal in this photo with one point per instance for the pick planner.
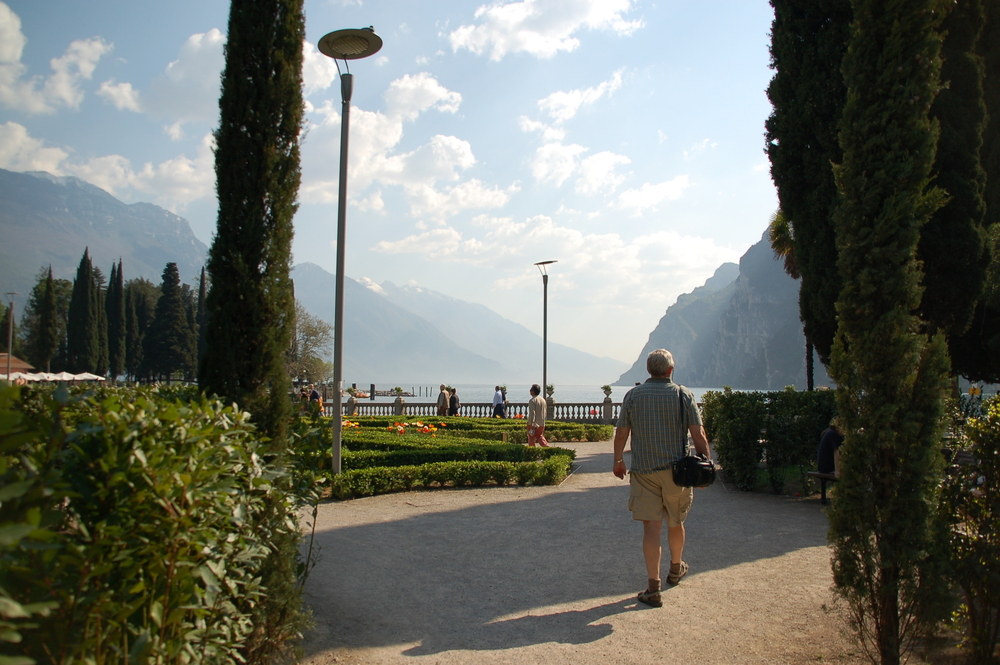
(674, 577)
(651, 598)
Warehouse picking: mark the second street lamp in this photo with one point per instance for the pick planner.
(348, 44)
(545, 322)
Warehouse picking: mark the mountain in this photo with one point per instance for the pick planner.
(392, 334)
(443, 339)
(741, 329)
(49, 220)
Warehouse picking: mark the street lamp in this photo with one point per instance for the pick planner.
(545, 322)
(348, 44)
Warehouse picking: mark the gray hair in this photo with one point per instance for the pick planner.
(659, 362)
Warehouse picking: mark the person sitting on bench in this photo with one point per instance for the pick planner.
(828, 454)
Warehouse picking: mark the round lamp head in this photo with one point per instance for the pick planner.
(350, 43)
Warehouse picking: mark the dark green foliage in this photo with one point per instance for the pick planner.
(890, 374)
(43, 324)
(952, 244)
(808, 41)
(779, 429)
(734, 422)
(250, 306)
(971, 498)
(8, 331)
(83, 343)
(145, 529)
(169, 346)
(141, 297)
(200, 316)
(382, 480)
(115, 307)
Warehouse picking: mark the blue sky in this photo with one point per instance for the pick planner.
(623, 138)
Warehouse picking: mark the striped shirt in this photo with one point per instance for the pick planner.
(652, 411)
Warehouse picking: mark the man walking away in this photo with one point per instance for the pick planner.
(658, 415)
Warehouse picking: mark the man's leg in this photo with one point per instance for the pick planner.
(652, 548)
(675, 539)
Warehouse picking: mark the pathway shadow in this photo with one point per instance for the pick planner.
(443, 579)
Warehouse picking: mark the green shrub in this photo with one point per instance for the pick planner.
(165, 532)
(734, 422)
(382, 480)
(971, 496)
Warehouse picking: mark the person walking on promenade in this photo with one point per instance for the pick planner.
(499, 409)
(536, 418)
(442, 402)
(654, 414)
(454, 404)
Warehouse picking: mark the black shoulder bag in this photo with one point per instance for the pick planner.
(691, 470)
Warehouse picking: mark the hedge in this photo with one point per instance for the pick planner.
(777, 430)
(382, 480)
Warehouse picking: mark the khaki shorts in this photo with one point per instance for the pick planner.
(654, 497)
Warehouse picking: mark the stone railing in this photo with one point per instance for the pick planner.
(605, 413)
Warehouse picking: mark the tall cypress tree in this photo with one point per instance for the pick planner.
(169, 345)
(47, 342)
(140, 305)
(83, 342)
(952, 244)
(201, 315)
(115, 309)
(808, 41)
(250, 305)
(890, 374)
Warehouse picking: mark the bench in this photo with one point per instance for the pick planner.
(823, 478)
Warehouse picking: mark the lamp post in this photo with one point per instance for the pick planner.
(545, 322)
(348, 44)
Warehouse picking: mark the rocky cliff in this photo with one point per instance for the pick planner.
(741, 329)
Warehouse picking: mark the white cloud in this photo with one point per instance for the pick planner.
(556, 162)
(541, 28)
(21, 152)
(187, 92)
(564, 105)
(650, 195)
(411, 95)
(430, 175)
(122, 95)
(36, 94)
(598, 172)
(442, 243)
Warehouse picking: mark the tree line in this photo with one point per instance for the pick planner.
(137, 330)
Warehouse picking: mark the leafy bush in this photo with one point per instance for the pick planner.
(971, 496)
(778, 429)
(145, 530)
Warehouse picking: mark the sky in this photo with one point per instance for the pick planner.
(623, 139)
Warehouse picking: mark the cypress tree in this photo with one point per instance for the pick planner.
(5, 325)
(952, 244)
(47, 342)
(115, 308)
(976, 354)
(808, 41)
(169, 343)
(140, 303)
(83, 345)
(890, 373)
(101, 316)
(250, 305)
(201, 316)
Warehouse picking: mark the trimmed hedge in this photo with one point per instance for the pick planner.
(382, 480)
(778, 430)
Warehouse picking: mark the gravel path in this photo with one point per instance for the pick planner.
(549, 575)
